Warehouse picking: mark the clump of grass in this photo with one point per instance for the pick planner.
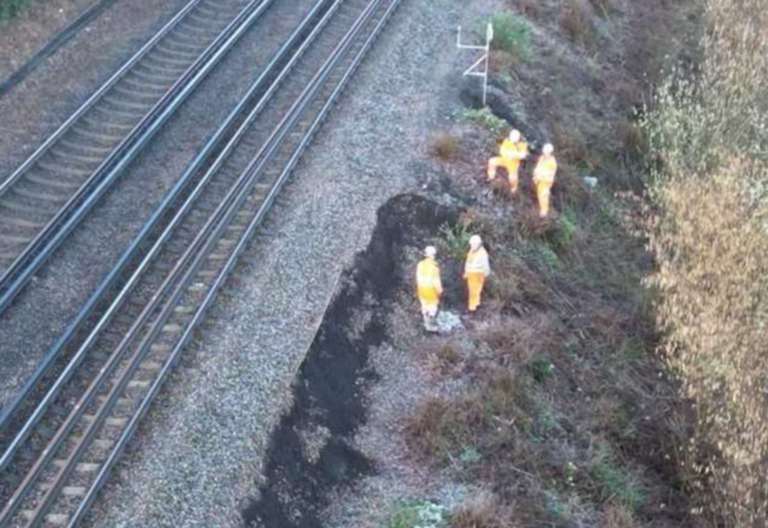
(561, 235)
(443, 429)
(455, 238)
(603, 7)
(444, 356)
(486, 119)
(11, 8)
(445, 147)
(511, 34)
(576, 22)
(615, 482)
(482, 512)
(633, 140)
(422, 514)
(542, 369)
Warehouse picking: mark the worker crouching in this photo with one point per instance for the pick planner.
(476, 269)
(429, 288)
(512, 152)
(544, 178)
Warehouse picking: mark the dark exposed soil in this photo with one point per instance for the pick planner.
(330, 387)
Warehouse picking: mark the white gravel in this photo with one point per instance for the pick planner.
(199, 454)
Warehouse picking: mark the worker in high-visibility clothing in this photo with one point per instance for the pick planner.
(429, 287)
(476, 269)
(512, 152)
(544, 178)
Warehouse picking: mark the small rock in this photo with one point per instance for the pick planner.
(447, 322)
(590, 181)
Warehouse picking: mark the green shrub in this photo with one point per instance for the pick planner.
(511, 34)
(486, 119)
(615, 482)
(542, 369)
(423, 514)
(456, 239)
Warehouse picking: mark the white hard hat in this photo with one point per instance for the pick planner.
(548, 149)
(430, 251)
(514, 134)
(475, 241)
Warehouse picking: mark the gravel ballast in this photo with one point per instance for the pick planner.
(199, 455)
(48, 303)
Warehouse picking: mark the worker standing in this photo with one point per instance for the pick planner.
(512, 151)
(544, 178)
(476, 269)
(429, 287)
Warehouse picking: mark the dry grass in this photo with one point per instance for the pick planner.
(617, 516)
(483, 512)
(576, 21)
(707, 136)
(445, 147)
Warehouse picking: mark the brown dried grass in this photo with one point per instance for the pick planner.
(711, 241)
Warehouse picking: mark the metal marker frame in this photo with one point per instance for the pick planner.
(480, 67)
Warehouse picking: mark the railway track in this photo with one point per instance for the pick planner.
(61, 438)
(52, 191)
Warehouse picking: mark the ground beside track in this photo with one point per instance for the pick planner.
(199, 454)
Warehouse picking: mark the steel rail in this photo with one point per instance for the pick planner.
(97, 95)
(45, 242)
(165, 207)
(207, 237)
(74, 363)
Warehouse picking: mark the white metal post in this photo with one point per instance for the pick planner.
(482, 62)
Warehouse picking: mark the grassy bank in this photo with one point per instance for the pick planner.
(565, 414)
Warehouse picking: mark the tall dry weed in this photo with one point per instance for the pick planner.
(708, 136)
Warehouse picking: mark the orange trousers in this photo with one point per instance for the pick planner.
(512, 167)
(543, 191)
(475, 282)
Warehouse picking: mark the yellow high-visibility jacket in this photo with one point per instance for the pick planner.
(514, 151)
(428, 280)
(545, 170)
(477, 262)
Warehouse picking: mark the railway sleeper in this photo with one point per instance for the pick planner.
(137, 108)
(161, 67)
(60, 156)
(54, 167)
(137, 82)
(56, 519)
(169, 61)
(110, 421)
(84, 148)
(118, 118)
(99, 134)
(145, 96)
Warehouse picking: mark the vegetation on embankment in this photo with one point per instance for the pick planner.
(565, 415)
(708, 133)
